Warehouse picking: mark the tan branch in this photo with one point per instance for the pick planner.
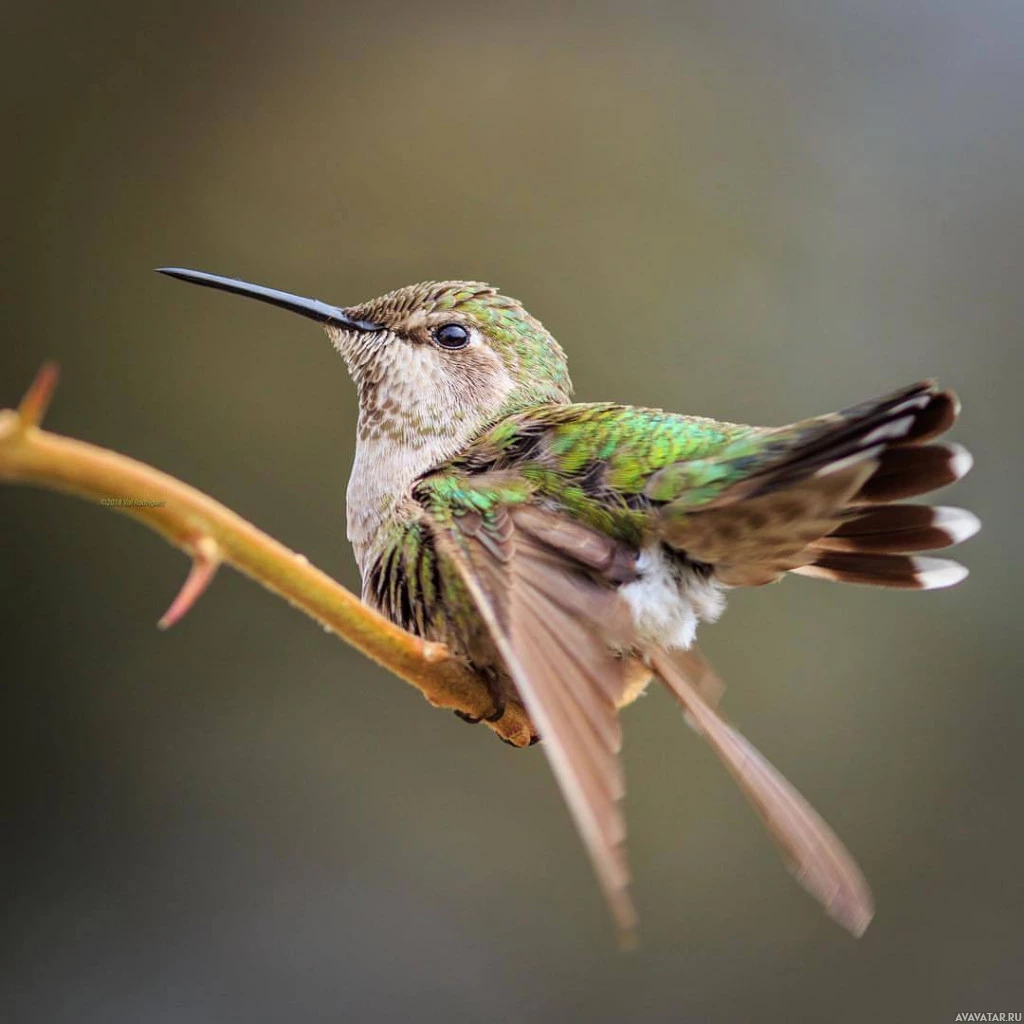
(210, 534)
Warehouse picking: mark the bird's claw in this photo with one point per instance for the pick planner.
(522, 736)
(534, 738)
(498, 700)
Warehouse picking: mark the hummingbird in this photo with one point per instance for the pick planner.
(568, 551)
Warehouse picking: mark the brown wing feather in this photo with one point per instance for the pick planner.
(817, 858)
(545, 588)
(551, 622)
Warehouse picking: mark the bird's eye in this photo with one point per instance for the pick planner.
(451, 336)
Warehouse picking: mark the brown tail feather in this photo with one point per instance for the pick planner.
(905, 471)
(935, 419)
(909, 572)
(903, 529)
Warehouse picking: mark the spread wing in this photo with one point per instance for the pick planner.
(546, 589)
(812, 851)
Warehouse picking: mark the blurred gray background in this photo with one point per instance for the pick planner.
(758, 211)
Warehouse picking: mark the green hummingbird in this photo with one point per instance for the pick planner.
(569, 550)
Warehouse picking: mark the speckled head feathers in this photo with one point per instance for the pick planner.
(529, 354)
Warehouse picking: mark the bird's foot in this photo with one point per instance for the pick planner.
(494, 716)
(508, 719)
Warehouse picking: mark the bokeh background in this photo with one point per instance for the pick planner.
(756, 210)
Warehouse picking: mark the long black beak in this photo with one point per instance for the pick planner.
(330, 316)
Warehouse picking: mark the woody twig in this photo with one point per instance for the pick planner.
(211, 534)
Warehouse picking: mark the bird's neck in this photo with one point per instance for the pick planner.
(378, 489)
(396, 444)
(402, 433)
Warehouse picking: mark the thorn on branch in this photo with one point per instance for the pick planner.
(37, 399)
(206, 558)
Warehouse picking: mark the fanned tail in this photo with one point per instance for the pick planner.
(878, 539)
(822, 497)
